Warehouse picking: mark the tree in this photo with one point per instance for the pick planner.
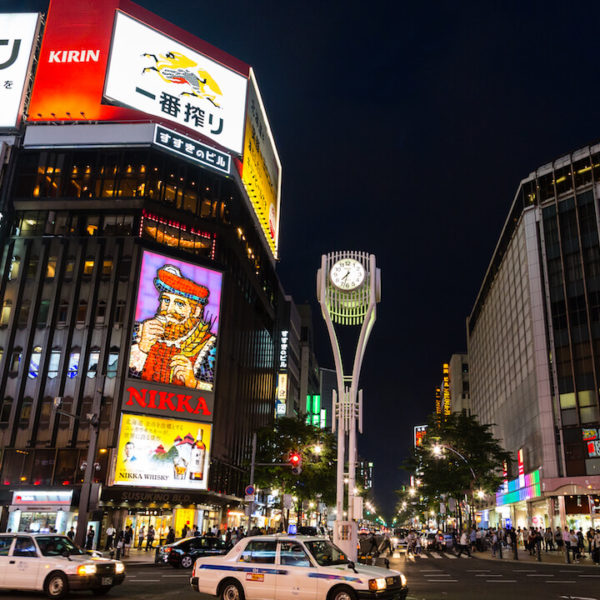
(317, 449)
(471, 460)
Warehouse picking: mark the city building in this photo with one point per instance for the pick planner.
(534, 346)
(139, 301)
(459, 383)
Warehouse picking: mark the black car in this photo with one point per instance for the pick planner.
(184, 552)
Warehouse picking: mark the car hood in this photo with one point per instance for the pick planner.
(364, 570)
(85, 558)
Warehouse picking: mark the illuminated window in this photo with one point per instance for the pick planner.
(73, 365)
(88, 267)
(5, 316)
(16, 360)
(51, 268)
(92, 225)
(14, 268)
(34, 363)
(93, 363)
(54, 363)
(69, 268)
(107, 265)
(113, 362)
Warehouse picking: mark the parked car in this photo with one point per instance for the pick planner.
(184, 552)
(280, 567)
(54, 564)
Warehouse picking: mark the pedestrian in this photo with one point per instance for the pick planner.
(590, 536)
(372, 548)
(464, 544)
(580, 543)
(141, 536)
(548, 540)
(494, 541)
(71, 534)
(110, 536)
(575, 545)
(171, 536)
(89, 539)
(120, 544)
(596, 547)
(558, 538)
(196, 531)
(185, 530)
(127, 539)
(473, 539)
(150, 537)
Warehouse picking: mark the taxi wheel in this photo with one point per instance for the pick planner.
(232, 590)
(56, 585)
(342, 593)
(187, 561)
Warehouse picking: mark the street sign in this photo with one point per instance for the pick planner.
(249, 498)
(249, 491)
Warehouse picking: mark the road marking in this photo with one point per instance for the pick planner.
(577, 597)
(540, 575)
(180, 575)
(435, 555)
(589, 576)
(501, 581)
(524, 570)
(429, 570)
(478, 570)
(491, 575)
(442, 580)
(564, 581)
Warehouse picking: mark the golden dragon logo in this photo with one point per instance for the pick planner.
(174, 67)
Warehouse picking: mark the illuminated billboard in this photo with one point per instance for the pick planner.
(176, 323)
(420, 433)
(156, 452)
(150, 71)
(261, 169)
(19, 31)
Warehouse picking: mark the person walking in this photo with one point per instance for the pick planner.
(150, 538)
(89, 539)
(463, 545)
(127, 539)
(184, 531)
(171, 536)
(596, 547)
(71, 533)
(548, 540)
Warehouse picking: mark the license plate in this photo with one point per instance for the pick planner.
(107, 581)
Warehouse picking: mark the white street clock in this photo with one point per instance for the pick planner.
(347, 274)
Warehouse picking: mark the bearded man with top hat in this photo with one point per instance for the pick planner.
(176, 345)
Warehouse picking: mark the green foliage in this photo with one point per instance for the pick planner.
(318, 476)
(448, 474)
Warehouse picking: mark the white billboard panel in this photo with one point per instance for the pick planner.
(17, 34)
(153, 73)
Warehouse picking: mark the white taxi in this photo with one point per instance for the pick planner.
(53, 564)
(283, 567)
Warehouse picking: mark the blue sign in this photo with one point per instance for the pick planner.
(292, 529)
(191, 149)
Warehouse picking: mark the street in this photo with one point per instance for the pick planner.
(431, 577)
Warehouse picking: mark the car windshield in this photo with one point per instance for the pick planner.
(326, 554)
(57, 545)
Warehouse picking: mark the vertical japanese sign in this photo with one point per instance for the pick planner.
(152, 72)
(17, 35)
(420, 432)
(261, 174)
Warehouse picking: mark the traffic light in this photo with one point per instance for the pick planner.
(295, 461)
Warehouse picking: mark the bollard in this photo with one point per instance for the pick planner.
(539, 552)
(499, 548)
(568, 553)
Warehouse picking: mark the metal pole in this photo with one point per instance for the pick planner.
(351, 452)
(339, 504)
(252, 461)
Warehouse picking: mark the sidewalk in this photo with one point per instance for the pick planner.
(135, 557)
(555, 557)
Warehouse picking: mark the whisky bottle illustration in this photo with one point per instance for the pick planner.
(196, 466)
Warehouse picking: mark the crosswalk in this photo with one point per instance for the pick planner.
(429, 554)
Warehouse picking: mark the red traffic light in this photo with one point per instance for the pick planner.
(294, 459)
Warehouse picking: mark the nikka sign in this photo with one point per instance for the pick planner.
(149, 398)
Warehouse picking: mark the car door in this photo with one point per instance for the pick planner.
(296, 579)
(5, 544)
(257, 569)
(23, 565)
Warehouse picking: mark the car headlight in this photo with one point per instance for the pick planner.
(377, 584)
(119, 567)
(86, 570)
(402, 580)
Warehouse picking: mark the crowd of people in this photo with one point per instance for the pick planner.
(574, 543)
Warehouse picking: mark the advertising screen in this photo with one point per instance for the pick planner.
(420, 433)
(261, 169)
(152, 72)
(156, 452)
(18, 33)
(176, 323)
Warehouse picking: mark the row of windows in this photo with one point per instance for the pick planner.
(50, 222)
(73, 365)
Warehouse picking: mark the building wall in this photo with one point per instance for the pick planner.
(459, 383)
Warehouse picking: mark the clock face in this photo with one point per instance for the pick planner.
(347, 274)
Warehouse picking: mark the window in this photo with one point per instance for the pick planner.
(46, 412)
(293, 554)
(5, 316)
(81, 311)
(26, 411)
(259, 552)
(42, 315)
(125, 268)
(5, 543)
(101, 312)
(113, 362)
(51, 268)
(93, 363)
(73, 365)
(54, 363)
(120, 312)
(69, 268)
(24, 313)
(25, 547)
(107, 265)
(14, 268)
(32, 267)
(5, 408)
(34, 363)
(63, 312)
(16, 360)
(88, 267)
(92, 225)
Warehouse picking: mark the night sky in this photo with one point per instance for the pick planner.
(403, 130)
